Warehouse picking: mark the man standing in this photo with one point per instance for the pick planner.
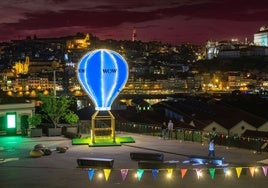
(211, 148)
(170, 129)
(164, 130)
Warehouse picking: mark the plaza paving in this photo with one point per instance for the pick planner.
(18, 169)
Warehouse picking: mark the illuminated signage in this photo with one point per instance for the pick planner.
(102, 74)
(11, 120)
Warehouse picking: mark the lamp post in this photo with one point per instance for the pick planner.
(54, 82)
(54, 66)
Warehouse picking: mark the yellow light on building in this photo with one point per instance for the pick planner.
(20, 94)
(33, 93)
(46, 92)
(9, 93)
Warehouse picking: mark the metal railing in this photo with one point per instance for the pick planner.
(184, 134)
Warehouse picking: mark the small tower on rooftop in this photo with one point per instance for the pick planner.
(134, 34)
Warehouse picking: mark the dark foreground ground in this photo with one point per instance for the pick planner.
(18, 169)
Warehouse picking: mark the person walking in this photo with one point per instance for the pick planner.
(170, 129)
(164, 130)
(211, 148)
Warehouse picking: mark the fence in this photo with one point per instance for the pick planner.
(186, 135)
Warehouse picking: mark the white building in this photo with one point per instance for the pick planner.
(11, 116)
(261, 38)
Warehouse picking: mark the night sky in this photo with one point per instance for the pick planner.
(171, 21)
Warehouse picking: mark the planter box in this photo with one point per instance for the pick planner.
(71, 132)
(54, 132)
(35, 132)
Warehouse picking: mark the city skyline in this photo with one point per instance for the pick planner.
(169, 21)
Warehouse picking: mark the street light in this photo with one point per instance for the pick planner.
(54, 67)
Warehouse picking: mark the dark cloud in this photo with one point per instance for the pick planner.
(90, 18)
(187, 19)
(237, 10)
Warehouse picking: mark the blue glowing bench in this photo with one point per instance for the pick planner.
(156, 164)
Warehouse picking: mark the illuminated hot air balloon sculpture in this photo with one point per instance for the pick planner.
(102, 74)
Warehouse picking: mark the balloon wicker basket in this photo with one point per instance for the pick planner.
(103, 132)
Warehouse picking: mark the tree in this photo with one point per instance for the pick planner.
(56, 108)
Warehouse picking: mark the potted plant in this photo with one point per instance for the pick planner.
(71, 118)
(34, 121)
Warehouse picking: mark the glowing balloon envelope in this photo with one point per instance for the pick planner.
(103, 74)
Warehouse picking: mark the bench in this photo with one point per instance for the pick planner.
(219, 161)
(156, 165)
(86, 162)
(143, 156)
